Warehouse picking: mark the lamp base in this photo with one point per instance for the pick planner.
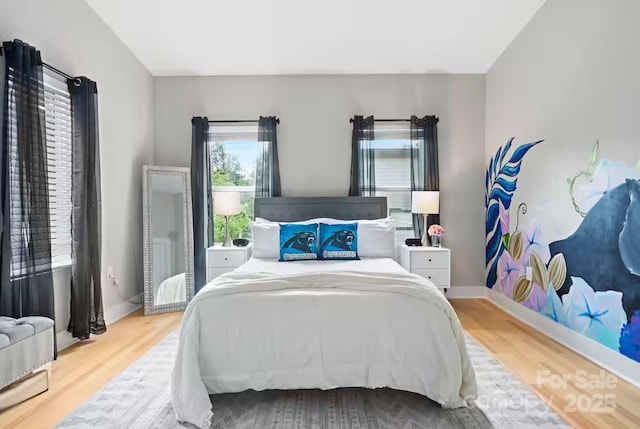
(227, 239)
(425, 235)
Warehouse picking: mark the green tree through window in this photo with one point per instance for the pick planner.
(227, 172)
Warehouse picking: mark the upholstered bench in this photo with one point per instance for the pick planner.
(26, 350)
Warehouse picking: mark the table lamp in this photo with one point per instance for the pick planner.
(425, 203)
(226, 204)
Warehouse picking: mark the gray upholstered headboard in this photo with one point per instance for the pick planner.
(293, 209)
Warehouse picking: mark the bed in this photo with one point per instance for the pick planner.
(319, 324)
(171, 290)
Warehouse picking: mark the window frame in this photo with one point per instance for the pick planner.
(227, 133)
(394, 131)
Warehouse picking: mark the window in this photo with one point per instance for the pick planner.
(57, 108)
(59, 170)
(392, 154)
(233, 152)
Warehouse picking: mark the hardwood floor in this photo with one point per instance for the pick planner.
(536, 359)
(83, 369)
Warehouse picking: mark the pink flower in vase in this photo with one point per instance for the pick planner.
(435, 229)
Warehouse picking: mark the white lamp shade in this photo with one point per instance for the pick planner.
(425, 202)
(226, 203)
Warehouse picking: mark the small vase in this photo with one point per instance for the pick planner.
(436, 240)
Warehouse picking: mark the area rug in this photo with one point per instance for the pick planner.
(140, 398)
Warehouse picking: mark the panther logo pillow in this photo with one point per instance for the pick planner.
(339, 241)
(298, 242)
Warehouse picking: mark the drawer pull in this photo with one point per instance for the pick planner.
(429, 276)
(429, 259)
(226, 259)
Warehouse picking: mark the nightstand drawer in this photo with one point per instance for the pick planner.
(212, 273)
(439, 277)
(435, 259)
(220, 258)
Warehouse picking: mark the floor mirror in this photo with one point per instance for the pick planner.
(168, 239)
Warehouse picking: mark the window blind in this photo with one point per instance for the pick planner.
(59, 166)
(28, 231)
(233, 132)
(393, 173)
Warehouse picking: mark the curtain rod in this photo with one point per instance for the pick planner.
(61, 73)
(392, 120)
(241, 121)
(53, 69)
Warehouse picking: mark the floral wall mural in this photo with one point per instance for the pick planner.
(588, 281)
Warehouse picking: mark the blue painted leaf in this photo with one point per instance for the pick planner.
(500, 195)
(486, 186)
(511, 170)
(494, 247)
(521, 151)
(507, 147)
(500, 184)
(492, 276)
(496, 162)
(491, 168)
(506, 184)
(494, 244)
(493, 212)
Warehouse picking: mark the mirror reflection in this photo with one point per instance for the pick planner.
(168, 235)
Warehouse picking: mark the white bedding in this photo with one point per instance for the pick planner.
(172, 290)
(319, 324)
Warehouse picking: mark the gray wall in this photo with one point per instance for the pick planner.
(74, 39)
(314, 135)
(571, 77)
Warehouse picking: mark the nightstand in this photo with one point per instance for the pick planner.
(432, 263)
(221, 260)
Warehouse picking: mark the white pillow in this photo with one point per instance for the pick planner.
(265, 240)
(376, 240)
(376, 237)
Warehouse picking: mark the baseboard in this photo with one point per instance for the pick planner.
(466, 292)
(122, 309)
(64, 340)
(609, 359)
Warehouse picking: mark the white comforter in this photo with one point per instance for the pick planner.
(319, 324)
(172, 290)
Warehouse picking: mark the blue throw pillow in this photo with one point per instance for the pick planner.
(298, 242)
(339, 241)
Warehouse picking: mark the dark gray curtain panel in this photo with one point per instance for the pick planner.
(201, 198)
(26, 282)
(424, 164)
(363, 177)
(268, 168)
(87, 316)
(209, 191)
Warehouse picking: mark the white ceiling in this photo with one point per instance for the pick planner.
(266, 37)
